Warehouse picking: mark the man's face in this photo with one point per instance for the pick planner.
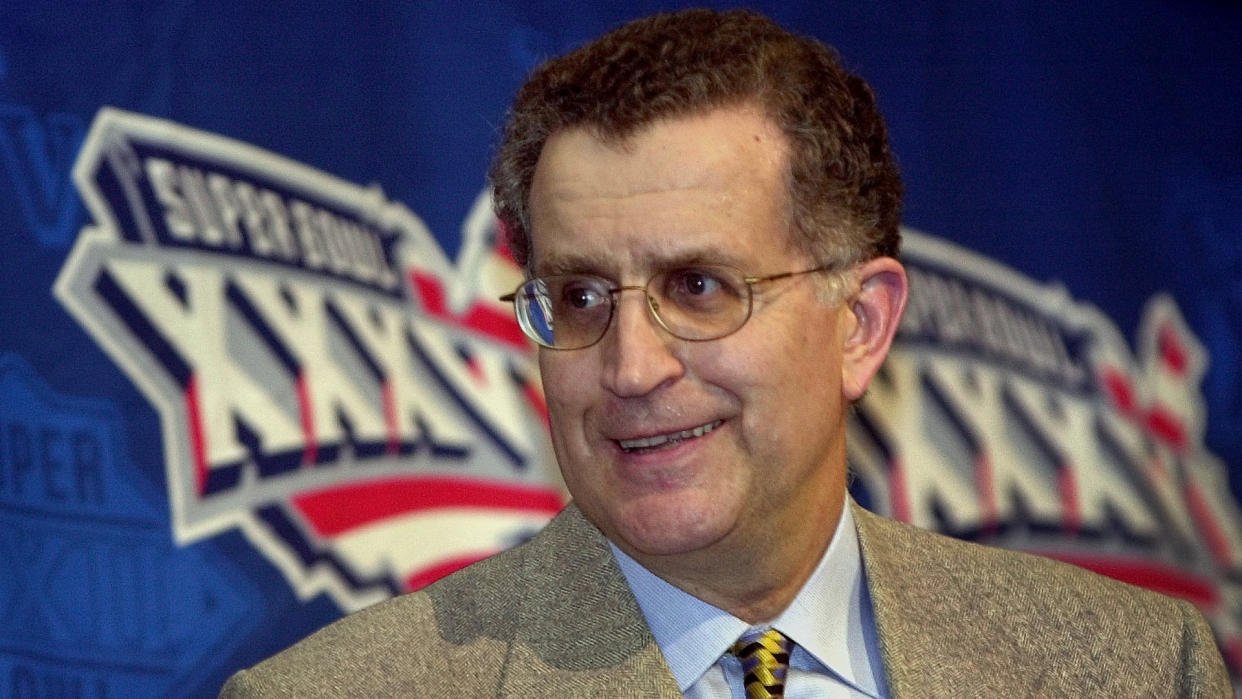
(703, 189)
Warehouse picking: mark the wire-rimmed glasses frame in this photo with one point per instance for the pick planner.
(697, 303)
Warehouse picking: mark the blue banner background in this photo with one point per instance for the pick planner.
(1096, 146)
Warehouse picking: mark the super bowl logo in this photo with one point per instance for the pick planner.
(366, 413)
(327, 381)
(1010, 414)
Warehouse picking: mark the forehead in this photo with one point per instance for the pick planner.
(708, 185)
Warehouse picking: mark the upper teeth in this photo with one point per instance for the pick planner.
(643, 442)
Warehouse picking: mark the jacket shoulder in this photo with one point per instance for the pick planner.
(983, 617)
(553, 612)
(400, 646)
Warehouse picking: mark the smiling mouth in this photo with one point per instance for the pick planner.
(666, 441)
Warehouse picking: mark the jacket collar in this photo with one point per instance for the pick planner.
(578, 624)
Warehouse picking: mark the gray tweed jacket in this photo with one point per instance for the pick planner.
(554, 617)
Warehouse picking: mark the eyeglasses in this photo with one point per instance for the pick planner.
(702, 302)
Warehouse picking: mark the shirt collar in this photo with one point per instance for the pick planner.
(826, 618)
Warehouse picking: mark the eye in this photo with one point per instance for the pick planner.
(694, 282)
(703, 290)
(582, 294)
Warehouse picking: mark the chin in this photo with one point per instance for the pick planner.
(668, 526)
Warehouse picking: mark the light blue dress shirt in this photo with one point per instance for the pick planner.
(830, 620)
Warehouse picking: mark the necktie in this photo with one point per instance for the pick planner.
(765, 660)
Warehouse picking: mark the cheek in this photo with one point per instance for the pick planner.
(557, 375)
(566, 388)
(788, 382)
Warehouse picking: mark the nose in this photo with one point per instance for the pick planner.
(638, 353)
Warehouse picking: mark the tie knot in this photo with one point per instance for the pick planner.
(765, 661)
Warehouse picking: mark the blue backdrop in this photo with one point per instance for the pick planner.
(1091, 148)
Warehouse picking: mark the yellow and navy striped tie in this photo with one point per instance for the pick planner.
(765, 661)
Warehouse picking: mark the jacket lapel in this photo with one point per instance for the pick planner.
(940, 628)
(895, 577)
(579, 628)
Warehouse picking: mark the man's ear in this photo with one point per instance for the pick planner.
(873, 315)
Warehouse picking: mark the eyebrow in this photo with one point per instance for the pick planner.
(573, 263)
(651, 261)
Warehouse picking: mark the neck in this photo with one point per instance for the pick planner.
(754, 582)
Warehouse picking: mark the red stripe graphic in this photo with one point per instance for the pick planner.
(1167, 427)
(986, 487)
(341, 509)
(476, 370)
(390, 418)
(897, 492)
(1149, 574)
(1201, 511)
(198, 436)
(1120, 390)
(1173, 354)
(1068, 488)
(494, 323)
(430, 574)
(311, 451)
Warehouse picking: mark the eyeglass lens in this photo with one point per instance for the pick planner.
(575, 310)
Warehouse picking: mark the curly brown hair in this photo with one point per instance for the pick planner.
(844, 187)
